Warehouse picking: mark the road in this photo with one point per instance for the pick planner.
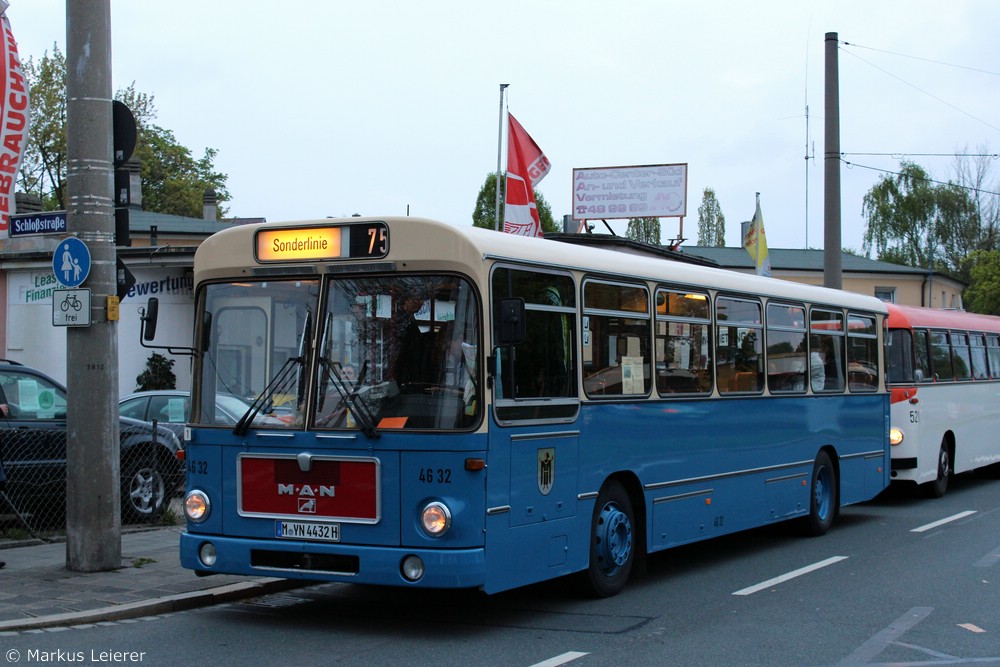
(900, 580)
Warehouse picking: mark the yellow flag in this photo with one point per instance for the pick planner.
(755, 243)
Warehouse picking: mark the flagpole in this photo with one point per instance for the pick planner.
(496, 221)
(756, 232)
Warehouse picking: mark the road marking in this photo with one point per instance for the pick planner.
(989, 560)
(954, 517)
(791, 575)
(871, 648)
(569, 656)
(970, 627)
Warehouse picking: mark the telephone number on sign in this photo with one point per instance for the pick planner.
(602, 209)
(301, 530)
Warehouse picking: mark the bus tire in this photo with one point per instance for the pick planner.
(823, 496)
(939, 486)
(613, 541)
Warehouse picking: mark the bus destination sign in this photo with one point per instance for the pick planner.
(301, 244)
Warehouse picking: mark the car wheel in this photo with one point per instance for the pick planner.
(144, 494)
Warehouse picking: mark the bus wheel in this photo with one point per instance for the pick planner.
(823, 500)
(937, 488)
(612, 541)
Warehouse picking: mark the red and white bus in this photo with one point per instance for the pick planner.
(944, 375)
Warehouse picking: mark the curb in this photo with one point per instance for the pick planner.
(153, 607)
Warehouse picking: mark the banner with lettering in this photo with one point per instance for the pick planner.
(526, 166)
(14, 119)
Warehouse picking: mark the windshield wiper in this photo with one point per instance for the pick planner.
(349, 395)
(280, 381)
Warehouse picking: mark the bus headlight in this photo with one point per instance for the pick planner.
(196, 506)
(895, 436)
(435, 518)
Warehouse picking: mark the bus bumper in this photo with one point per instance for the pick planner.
(313, 561)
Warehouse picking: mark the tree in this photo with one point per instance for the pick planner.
(913, 221)
(711, 222)
(973, 173)
(983, 294)
(173, 181)
(159, 374)
(900, 211)
(43, 168)
(644, 230)
(484, 214)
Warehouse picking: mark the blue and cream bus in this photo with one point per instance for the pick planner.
(455, 407)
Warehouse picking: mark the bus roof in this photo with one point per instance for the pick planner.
(908, 317)
(230, 251)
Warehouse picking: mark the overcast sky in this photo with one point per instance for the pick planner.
(332, 108)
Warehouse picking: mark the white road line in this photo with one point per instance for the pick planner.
(569, 656)
(791, 575)
(954, 517)
(875, 645)
(990, 559)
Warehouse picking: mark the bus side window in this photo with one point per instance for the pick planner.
(544, 364)
(921, 356)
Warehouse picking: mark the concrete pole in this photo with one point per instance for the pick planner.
(831, 170)
(93, 497)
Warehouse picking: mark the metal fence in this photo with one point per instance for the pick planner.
(33, 497)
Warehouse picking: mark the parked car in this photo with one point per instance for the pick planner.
(171, 408)
(33, 451)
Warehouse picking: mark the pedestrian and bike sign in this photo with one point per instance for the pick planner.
(71, 262)
(71, 307)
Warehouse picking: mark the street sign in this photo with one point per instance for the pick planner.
(71, 307)
(23, 224)
(71, 262)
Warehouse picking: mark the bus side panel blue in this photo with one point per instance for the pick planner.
(718, 466)
(536, 528)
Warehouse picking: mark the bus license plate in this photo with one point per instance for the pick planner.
(301, 530)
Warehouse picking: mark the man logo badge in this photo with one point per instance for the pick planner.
(546, 470)
(307, 505)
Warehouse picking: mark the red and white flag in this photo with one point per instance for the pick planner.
(14, 116)
(526, 166)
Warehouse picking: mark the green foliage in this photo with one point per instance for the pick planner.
(911, 221)
(159, 374)
(43, 169)
(644, 230)
(484, 215)
(173, 181)
(711, 222)
(900, 211)
(983, 295)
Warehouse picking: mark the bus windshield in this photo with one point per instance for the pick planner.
(368, 353)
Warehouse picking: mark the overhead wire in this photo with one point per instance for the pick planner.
(851, 165)
(920, 90)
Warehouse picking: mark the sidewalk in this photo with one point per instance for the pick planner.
(37, 591)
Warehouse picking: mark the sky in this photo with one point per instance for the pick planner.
(389, 107)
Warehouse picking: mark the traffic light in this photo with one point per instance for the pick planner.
(124, 135)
